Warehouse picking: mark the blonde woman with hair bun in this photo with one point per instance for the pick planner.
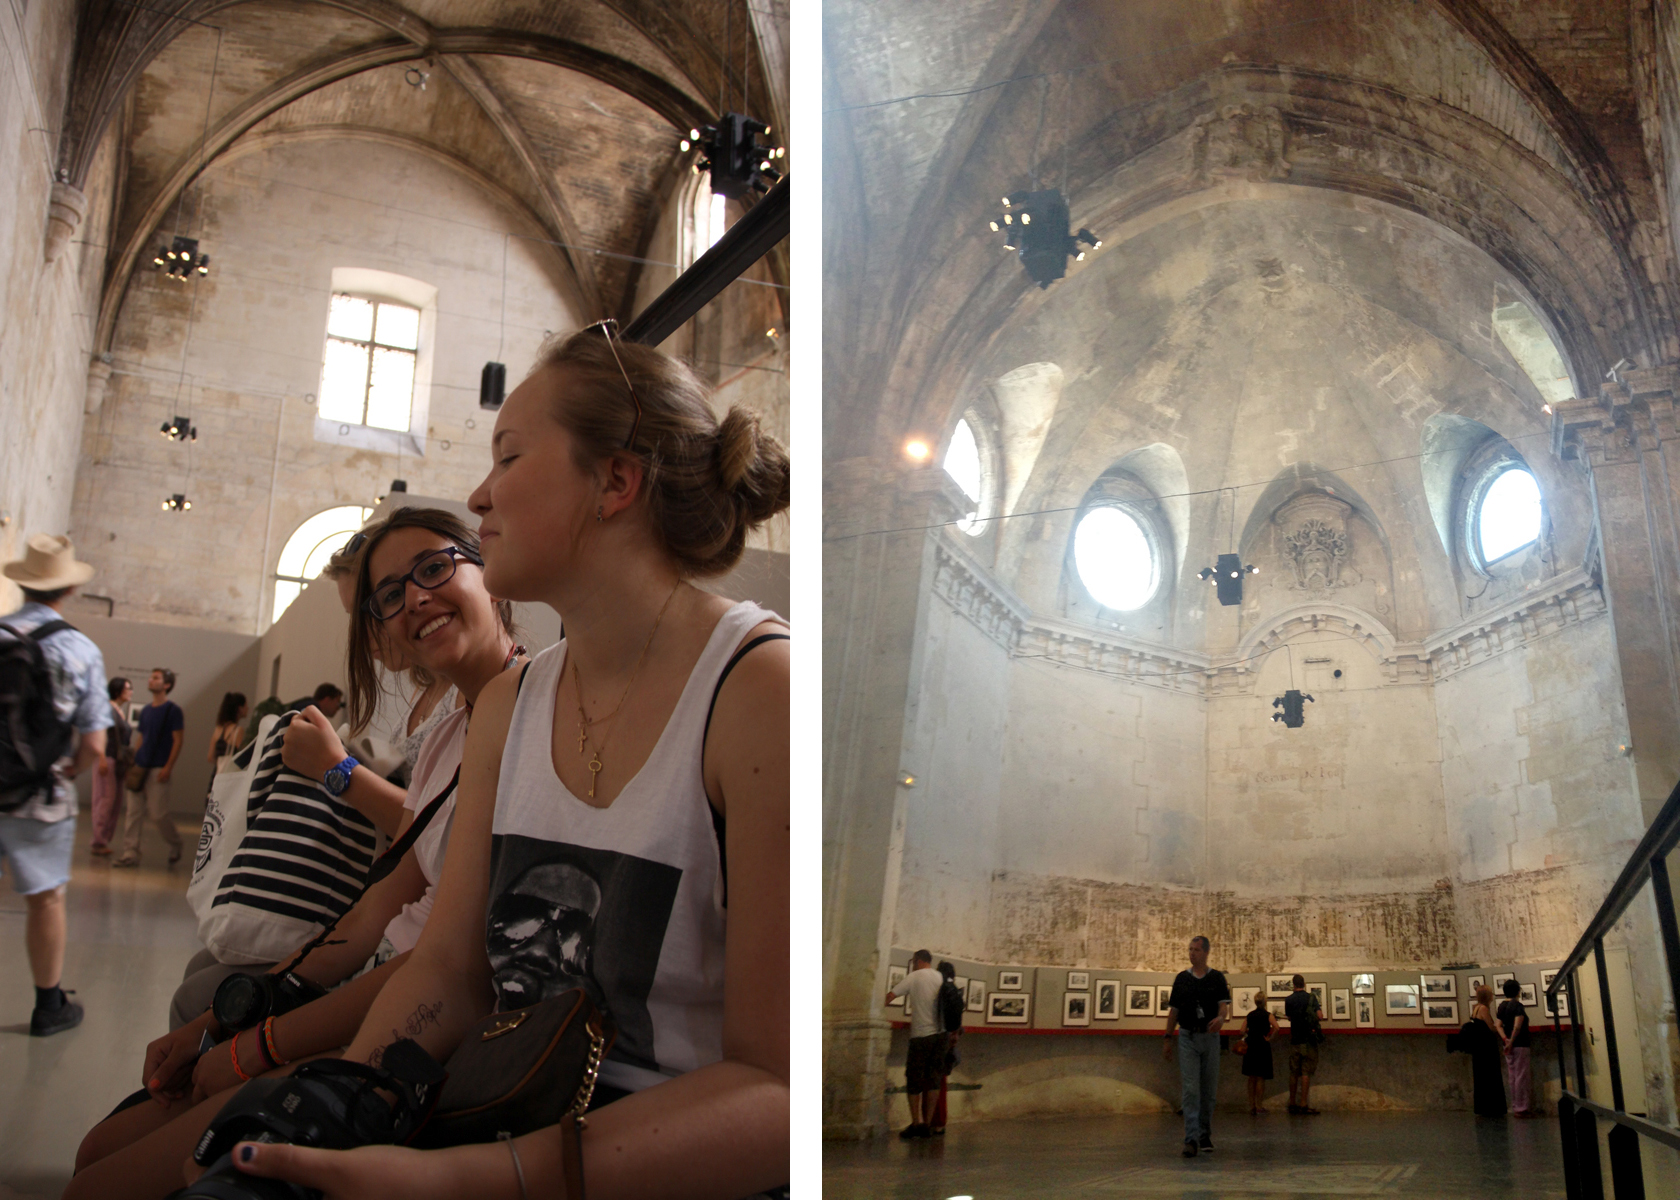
(622, 821)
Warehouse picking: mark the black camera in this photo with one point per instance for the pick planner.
(243, 1001)
(328, 1103)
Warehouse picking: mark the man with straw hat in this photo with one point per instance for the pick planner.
(38, 822)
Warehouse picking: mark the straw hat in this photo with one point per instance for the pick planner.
(49, 564)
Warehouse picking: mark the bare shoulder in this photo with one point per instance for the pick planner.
(494, 708)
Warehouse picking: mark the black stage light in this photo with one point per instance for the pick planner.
(730, 151)
(492, 385)
(176, 503)
(179, 429)
(1293, 715)
(181, 259)
(1227, 575)
(1035, 226)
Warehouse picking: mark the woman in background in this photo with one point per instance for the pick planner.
(1259, 1029)
(230, 733)
(109, 770)
(1485, 1055)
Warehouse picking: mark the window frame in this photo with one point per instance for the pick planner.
(1146, 522)
(383, 287)
(981, 518)
(370, 345)
(1486, 469)
(276, 577)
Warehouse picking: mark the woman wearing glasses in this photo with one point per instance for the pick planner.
(420, 590)
(623, 815)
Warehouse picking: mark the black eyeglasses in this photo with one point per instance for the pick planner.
(433, 571)
(609, 330)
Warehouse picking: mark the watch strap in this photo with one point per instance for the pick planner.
(345, 769)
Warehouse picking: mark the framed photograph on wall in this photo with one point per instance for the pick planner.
(976, 996)
(1499, 985)
(1440, 1012)
(1365, 984)
(1472, 982)
(1007, 1008)
(1562, 1007)
(1009, 981)
(1275, 1007)
(1529, 995)
(1279, 986)
(1079, 981)
(1163, 999)
(1440, 987)
(1076, 1008)
(1322, 991)
(1339, 1010)
(1365, 1012)
(1400, 999)
(1108, 999)
(1140, 1000)
(895, 976)
(1245, 1000)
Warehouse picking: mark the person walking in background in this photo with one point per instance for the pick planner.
(1260, 1026)
(951, 1005)
(38, 826)
(927, 1042)
(328, 697)
(111, 766)
(161, 726)
(1513, 1023)
(1485, 1054)
(1199, 1005)
(229, 732)
(1301, 1008)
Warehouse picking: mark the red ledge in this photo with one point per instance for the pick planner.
(1082, 1031)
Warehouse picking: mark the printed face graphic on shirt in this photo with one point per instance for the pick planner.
(565, 916)
(542, 933)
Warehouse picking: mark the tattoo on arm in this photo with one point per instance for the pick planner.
(416, 1023)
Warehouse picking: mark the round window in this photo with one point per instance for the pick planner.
(1508, 517)
(1114, 558)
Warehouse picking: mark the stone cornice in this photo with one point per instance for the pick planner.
(1633, 413)
(971, 591)
(1567, 600)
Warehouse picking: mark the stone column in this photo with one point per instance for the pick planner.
(1628, 439)
(874, 586)
(65, 211)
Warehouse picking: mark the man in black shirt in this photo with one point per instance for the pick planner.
(1200, 1003)
(1302, 1011)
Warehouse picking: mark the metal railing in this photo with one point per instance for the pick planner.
(1578, 1116)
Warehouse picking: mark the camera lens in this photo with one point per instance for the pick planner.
(241, 1001)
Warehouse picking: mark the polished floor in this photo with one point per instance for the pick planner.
(1349, 1154)
(131, 934)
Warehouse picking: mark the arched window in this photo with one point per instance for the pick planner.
(1507, 513)
(1116, 558)
(705, 216)
(972, 463)
(306, 552)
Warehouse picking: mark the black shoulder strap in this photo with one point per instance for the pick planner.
(520, 686)
(40, 632)
(717, 817)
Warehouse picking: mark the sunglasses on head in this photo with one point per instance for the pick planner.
(608, 329)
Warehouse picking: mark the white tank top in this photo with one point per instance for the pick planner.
(625, 901)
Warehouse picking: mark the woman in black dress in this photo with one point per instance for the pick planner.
(1486, 1068)
(1257, 1058)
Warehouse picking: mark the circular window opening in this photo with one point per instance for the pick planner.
(1114, 558)
(962, 464)
(1509, 516)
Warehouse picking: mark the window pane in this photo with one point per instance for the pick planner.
(393, 389)
(333, 526)
(716, 213)
(343, 382)
(962, 461)
(351, 318)
(285, 591)
(399, 325)
(1113, 558)
(1510, 516)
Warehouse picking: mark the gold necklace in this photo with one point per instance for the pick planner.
(585, 721)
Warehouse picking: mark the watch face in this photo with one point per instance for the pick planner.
(335, 781)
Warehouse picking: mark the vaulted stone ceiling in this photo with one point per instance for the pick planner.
(569, 113)
(1527, 130)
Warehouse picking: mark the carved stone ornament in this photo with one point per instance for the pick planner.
(64, 213)
(1241, 142)
(1316, 542)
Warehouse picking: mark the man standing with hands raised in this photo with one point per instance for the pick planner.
(1200, 1004)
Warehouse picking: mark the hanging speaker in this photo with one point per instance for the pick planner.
(492, 386)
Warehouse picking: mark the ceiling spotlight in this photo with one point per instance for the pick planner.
(176, 503)
(180, 259)
(179, 429)
(1227, 575)
(1294, 714)
(416, 78)
(917, 450)
(773, 333)
(730, 150)
(1044, 246)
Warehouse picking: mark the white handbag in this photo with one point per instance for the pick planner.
(225, 816)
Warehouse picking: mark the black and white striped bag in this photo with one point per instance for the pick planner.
(278, 856)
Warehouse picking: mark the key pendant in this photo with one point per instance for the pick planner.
(594, 770)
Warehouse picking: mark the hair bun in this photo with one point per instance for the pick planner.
(737, 445)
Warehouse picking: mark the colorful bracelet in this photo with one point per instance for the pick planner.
(233, 1053)
(263, 1051)
(273, 1052)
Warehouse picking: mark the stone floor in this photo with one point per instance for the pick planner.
(1348, 1154)
(131, 934)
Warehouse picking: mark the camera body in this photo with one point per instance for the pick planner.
(243, 1001)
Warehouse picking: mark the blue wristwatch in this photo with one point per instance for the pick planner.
(338, 778)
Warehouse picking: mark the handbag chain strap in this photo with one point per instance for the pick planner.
(591, 1069)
